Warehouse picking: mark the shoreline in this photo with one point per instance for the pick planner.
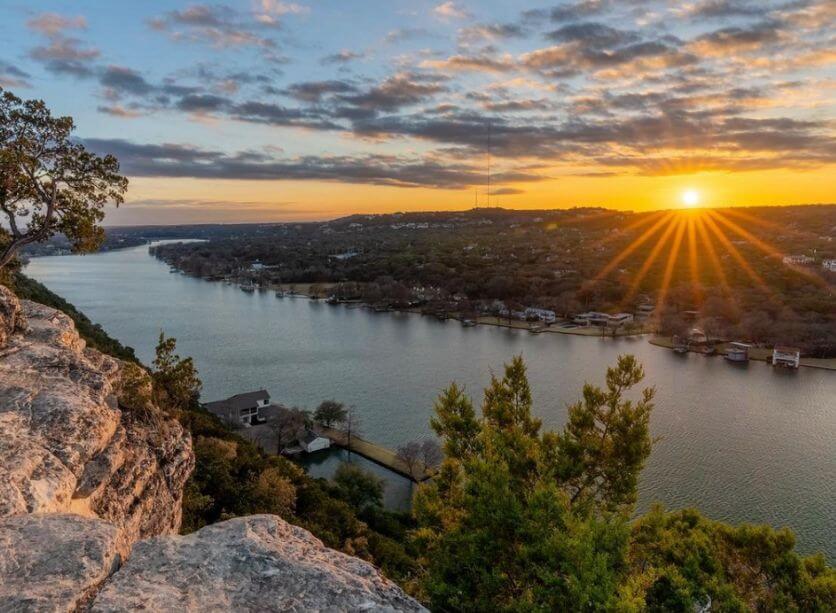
(302, 290)
(756, 354)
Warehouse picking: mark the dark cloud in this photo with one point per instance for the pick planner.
(726, 40)
(313, 91)
(726, 8)
(593, 34)
(217, 25)
(395, 92)
(342, 57)
(170, 160)
(125, 80)
(572, 11)
(12, 76)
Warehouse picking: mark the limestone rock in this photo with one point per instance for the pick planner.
(54, 562)
(11, 315)
(66, 446)
(256, 563)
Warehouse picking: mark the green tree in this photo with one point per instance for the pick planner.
(498, 525)
(329, 413)
(48, 182)
(358, 487)
(176, 383)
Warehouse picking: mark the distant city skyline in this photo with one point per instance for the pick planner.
(274, 111)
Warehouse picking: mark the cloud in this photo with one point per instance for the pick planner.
(571, 11)
(342, 57)
(313, 91)
(53, 24)
(223, 27)
(491, 32)
(477, 63)
(719, 9)
(395, 92)
(12, 76)
(450, 10)
(124, 80)
(62, 54)
(172, 160)
(399, 35)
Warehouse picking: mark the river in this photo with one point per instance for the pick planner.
(743, 443)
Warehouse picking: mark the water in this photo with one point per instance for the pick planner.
(742, 443)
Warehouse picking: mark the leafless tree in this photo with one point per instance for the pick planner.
(431, 454)
(410, 454)
(287, 426)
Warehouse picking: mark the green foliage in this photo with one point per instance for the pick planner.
(680, 558)
(49, 182)
(330, 412)
(175, 379)
(519, 520)
(498, 528)
(358, 487)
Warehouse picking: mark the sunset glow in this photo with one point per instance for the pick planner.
(690, 198)
(265, 111)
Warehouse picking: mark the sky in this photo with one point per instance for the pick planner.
(269, 110)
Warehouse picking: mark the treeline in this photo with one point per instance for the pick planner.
(734, 285)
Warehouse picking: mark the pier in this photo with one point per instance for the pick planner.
(374, 452)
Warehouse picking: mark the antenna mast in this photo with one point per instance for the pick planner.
(489, 162)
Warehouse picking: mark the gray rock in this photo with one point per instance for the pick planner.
(54, 562)
(256, 563)
(65, 445)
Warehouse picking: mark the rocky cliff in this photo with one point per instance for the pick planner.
(91, 485)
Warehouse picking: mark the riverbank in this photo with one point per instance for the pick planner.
(759, 354)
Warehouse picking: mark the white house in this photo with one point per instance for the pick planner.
(829, 265)
(241, 409)
(592, 318)
(797, 259)
(314, 442)
(789, 357)
(544, 315)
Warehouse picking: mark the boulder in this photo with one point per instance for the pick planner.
(255, 563)
(54, 562)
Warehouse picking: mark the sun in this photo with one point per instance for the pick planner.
(691, 198)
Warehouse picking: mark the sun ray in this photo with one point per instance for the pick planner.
(673, 256)
(716, 264)
(651, 258)
(738, 257)
(645, 220)
(632, 247)
(693, 262)
(765, 247)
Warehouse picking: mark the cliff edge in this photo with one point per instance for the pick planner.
(91, 485)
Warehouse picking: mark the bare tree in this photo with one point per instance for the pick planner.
(410, 454)
(48, 182)
(352, 426)
(287, 426)
(431, 454)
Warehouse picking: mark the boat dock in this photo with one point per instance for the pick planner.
(374, 452)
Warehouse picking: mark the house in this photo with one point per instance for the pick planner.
(829, 265)
(797, 259)
(619, 319)
(544, 315)
(592, 318)
(737, 352)
(595, 318)
(241, 409)
(645, 311)
(788, 357)
(312, 441)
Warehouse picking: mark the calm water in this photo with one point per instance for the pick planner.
(742, 443)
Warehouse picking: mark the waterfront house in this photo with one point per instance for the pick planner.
(311, 441)
(595, 318)
(241, 409)
(737, 352)
(829, 265)
(797, 260)
(788, 357)
(544, 315)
